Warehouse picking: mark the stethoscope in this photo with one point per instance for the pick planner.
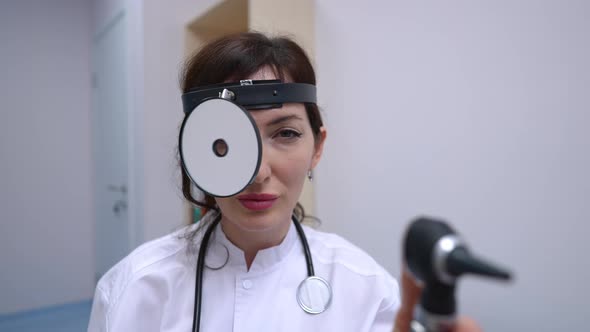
(314, 294)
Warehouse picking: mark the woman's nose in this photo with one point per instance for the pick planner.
(264, 172)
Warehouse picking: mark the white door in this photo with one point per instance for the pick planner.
(110, 139)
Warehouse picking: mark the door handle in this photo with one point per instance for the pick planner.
(120, 189)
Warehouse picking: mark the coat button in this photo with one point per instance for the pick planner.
(247, 284)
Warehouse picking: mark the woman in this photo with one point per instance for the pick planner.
(254, 261)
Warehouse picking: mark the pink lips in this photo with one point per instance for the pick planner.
(257, 202)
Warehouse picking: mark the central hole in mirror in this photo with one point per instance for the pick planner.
(220, 147)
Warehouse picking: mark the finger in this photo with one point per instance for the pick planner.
(465, 324)
(410, 292)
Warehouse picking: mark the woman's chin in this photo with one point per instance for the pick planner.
(260, 221)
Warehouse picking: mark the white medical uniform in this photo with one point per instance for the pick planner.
(153, 288)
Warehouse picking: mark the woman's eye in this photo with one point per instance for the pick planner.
(288, 134)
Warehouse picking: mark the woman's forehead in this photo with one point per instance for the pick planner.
(290, 112)
(264, 73)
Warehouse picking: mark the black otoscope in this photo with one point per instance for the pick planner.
(437, 257)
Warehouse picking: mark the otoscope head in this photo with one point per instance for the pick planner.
(437, 256)
(434, 253)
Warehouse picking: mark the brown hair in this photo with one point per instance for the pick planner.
(236, 57)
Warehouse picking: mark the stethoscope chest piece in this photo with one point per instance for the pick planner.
(219, 259)
(314, 295)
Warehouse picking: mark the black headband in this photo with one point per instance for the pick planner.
(253, 95)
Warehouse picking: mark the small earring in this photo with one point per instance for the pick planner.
(310, 175)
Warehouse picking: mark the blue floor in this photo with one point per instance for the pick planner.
(65, 318)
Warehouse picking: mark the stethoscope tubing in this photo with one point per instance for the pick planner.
(201, 265)
(307, 252)
(199, 274)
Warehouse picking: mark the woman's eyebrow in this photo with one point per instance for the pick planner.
(283, 119)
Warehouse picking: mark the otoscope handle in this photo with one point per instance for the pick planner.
(427, 322)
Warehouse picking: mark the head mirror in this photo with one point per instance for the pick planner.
(220, 147)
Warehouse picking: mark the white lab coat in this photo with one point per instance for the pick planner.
(152, 289)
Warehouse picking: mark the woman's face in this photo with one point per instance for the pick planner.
(289, 151)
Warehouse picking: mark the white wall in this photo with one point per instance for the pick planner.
(477, 112)
(46, 236)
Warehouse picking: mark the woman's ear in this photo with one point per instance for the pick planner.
(319, 147)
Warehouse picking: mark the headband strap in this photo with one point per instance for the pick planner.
(253, 95)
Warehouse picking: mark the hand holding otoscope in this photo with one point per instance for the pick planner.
(434, 258)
